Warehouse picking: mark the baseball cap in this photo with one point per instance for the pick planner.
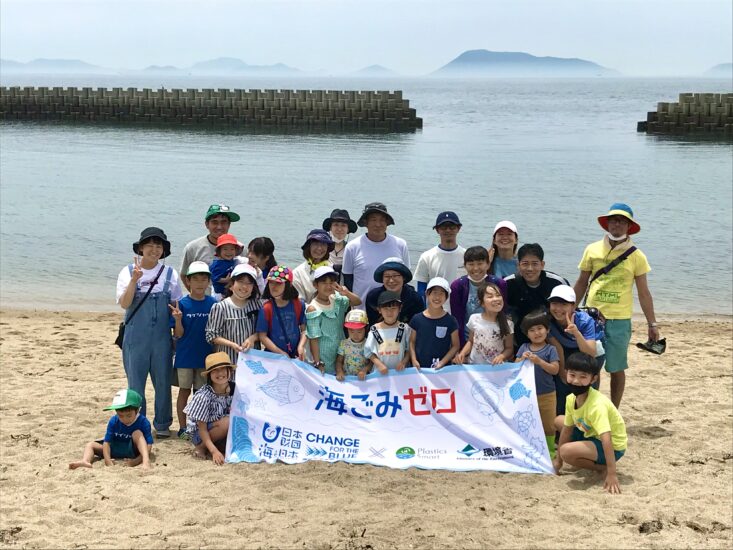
(356, 318)
(244, 269)
(446, 217)
(387, 297)
(323, 271)
(215, 209)
(507, 224)
(125, 398)
(439, 282)
(198, 267)
(564, 293)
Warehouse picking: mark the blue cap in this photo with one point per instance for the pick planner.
(447, 217)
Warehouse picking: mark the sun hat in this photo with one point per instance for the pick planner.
(217, 360)
(387, 297)
(339, 215)
(320, 235)
(620, 209)
(446, 217)
(198, 267)
(356, 318)
(215, 209)
(395, 264)
(323, 271)
(244, 269)
(125, 398)
(562, 293)
(228, 238)
(150, 233)
(280, 274)
(371, 208)
(439, 282)
(507, 224)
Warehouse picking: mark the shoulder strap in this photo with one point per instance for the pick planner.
(377, 336)
(298, 306)
(150, 289)
(267, 308)
(612, 264)
(400, 332)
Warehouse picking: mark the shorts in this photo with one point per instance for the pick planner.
(546, 404)
(186, 379)
(616, 344)
(196, 436)
(601, 457)
(121, 448)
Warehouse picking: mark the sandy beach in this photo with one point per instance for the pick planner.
(60, 369)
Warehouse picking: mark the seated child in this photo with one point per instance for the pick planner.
(128, 436)
(490, 332)
(546, 361)
(350, 360)
(225, 260)
(434, 339)
(593, 433)
(207, 414)
(388, 343)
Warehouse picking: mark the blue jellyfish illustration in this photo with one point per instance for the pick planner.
(284, 389)
(241, 442)
(518, 390)
(524, 421)
(488, 396)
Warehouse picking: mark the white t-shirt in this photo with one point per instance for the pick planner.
(198, 250)
(303, 282)
(437, 262)
(124, 278)
(390, 352)
(487, 340)
(362, 257)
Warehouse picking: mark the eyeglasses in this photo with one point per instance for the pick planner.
(391, 277)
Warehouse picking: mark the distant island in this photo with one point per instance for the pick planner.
(375, 71)
(52, 66)
(485, 63)
(724, 70)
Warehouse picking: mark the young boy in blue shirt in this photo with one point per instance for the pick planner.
(128, 435)
(592, 432)
(191, 315)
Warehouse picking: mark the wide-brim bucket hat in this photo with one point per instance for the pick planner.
(339, 215)
(371, 208)
(321, 236)
(393, 264)
(218, 360)
(153, 233)
(620, 209)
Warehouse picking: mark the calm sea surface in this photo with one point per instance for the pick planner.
(551, 155)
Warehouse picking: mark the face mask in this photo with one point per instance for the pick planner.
(579, 390)
(616, 239)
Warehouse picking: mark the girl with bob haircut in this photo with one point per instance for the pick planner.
(281, 321)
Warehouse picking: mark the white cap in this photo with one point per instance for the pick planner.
(564, 293)
(197, 267)
(439, 281)
(323, 270)
(244, 269)
(507, 224)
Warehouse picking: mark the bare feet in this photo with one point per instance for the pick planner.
(79, 464)
(201, 455)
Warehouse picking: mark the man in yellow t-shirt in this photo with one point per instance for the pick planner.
(612, 292)
(592, 432)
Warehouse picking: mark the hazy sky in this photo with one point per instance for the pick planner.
(638, 38)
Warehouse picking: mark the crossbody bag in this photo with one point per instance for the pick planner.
(121, 328)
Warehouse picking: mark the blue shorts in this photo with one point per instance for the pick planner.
(196, 436)
(616, 344)
(121, 448)
(601, 458)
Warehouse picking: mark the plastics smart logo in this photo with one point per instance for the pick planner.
(405, 453)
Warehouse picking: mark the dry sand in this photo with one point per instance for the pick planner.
(59, 369)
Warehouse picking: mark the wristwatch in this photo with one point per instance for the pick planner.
(319, 364)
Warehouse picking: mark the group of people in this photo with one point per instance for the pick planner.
(349, 308)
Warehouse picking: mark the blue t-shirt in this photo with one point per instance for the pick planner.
(586, 325)
(543, 380)
(117, 431)
(292, 326)
(219, 269)
(503, 268)
(192, 348)
(472, 304)
(433, 337)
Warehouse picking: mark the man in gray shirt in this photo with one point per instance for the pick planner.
(218, 219)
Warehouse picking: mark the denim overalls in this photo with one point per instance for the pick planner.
(146, 348)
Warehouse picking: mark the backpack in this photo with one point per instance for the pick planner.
(598, 320)
(268, 305)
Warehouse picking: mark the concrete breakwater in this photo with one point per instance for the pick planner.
(296, 109)
(709, 114)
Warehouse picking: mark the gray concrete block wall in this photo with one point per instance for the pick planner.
(694, 113)
(298, 109)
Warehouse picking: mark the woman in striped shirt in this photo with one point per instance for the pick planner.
(231, 325)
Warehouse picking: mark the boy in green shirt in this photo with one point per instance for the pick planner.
(592, 432)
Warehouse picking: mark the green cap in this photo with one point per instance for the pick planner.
(125, 398)
(215, 209)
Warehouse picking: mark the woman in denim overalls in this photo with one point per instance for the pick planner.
(146, 347)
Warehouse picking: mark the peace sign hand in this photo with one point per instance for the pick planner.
(137, 270)
(175, 311)
(571, 328)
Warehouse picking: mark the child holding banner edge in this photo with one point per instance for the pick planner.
(434, 340)
(593, 433)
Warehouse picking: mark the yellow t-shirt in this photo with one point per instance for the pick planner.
(612, 293)
(597, 415)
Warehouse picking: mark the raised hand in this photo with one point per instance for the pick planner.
(137, 270)
(175, 311)
(571, 328)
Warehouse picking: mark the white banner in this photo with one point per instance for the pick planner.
(462, 417)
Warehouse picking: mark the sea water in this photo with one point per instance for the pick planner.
(550, 155)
